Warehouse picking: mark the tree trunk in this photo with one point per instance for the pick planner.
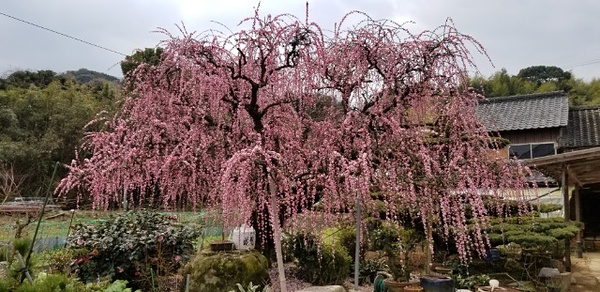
(277, 233)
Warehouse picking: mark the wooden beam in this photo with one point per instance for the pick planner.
(587, 154)
(566, 213)
(564, 185)
(577, 197)
(573, 176)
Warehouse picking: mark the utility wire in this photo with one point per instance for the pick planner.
(584, 63)
(62, 34)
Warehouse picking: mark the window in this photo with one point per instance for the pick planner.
(528, 151)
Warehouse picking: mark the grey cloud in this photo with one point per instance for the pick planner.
(516, 34)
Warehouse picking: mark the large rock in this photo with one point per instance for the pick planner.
(332, 288)
(221, 271)
(3, 269)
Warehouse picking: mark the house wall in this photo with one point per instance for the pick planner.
(532, 136)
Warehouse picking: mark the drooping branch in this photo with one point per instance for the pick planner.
(334, 116)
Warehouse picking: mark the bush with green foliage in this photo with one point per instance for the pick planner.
(52, 283)
(59, 261)
(251, 288)
(347, 239)
(8, 284)
(396, 240)
(320, 263)
(22, 245)
(62, 283)
(370, 267)
(469, 282)
(140, 247)
(531, 232)
(5, 253)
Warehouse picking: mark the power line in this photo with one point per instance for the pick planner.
(584, 63)
(62, 34)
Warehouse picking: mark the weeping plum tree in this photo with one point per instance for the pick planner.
(271, 119)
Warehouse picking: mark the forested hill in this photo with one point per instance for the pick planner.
(84, 76)
(42, 78)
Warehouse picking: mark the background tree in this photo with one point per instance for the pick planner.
(42, 125)
(225, 121)
(151, 56)
(585, 93)
(538, 79)
(24, 79)
(543, 74)
(10, 184)
(502, 84)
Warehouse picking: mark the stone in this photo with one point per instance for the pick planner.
(547, 272)
(3, 269)
(331, 288)
(221, 271)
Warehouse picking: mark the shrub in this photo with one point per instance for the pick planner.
(469, 282)
(22, 245)
(139, 247)
(370, 267)
(116, 286)
(5, 253)
(59, 261)
(395, 241)
(8, 284)
(320, 263)
(51, 283)
(251, 288)
(347, 239)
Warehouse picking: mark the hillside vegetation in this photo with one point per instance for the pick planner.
(42, 119)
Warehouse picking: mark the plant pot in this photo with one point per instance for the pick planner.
(413, 288)
(221, 245)
(435, 283)
(394, 286)
(497, 289)
(443, 270)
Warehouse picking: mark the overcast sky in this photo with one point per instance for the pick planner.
(515, 33)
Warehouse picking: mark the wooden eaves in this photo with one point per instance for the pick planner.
(582, 166)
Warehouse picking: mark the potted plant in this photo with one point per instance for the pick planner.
(397, 243)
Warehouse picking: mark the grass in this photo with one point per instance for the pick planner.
(58, 227)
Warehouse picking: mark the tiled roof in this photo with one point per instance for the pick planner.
(583, 129)
(522, 112)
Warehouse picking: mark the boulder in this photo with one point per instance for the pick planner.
(331, 288)
(210, 271)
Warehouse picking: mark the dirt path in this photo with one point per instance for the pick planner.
(586, 273)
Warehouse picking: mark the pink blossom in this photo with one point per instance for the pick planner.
(285, 108)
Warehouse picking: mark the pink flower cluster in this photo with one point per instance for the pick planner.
(327, 117)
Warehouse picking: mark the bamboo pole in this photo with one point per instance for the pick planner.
(357, 245)
(277, 233)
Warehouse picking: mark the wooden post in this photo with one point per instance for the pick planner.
(277, 233)
(567, 214)
(357, 244)
(577, 196)
(23, 266)
(125, 198)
